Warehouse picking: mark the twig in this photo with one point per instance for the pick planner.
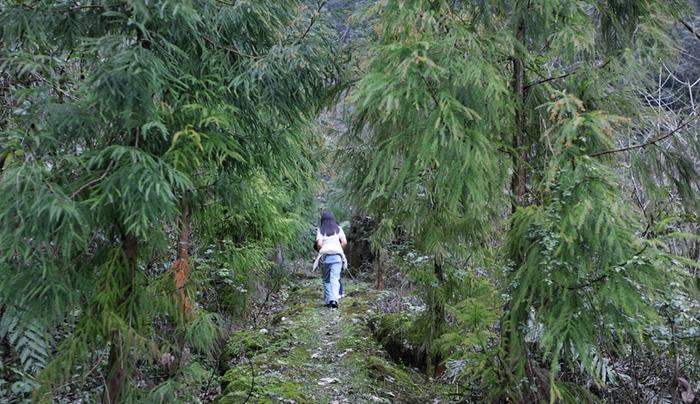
(55, 87)
(652, 141)
(603, 276)
(563, 76)
(218, 366)
(350, 273)
(313, 18)
(690, 29)
(229, 49)
(93, 181)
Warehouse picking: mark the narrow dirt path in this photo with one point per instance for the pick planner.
(308, 353)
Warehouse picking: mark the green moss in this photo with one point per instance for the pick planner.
(382, 369)
(403, 337)
(402, 326)
(292, 310)
(238, 379)
(356, 308)
(363, 292)
(265, 388)
(306, 294)
(298, 356)
(286, 391)
(244, 342)
(283, 367)
(360, 374)
(352, 337)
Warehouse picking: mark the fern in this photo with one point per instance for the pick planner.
(28, 340)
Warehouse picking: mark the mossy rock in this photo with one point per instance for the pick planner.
(244, 342)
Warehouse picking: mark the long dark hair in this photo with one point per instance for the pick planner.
(328, 225)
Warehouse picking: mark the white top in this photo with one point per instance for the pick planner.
(331, 244)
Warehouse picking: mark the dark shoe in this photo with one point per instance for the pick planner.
(333, 304)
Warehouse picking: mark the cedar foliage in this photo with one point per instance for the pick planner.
(130, 117)
(423, 153)
(460, 97)
(155, 153)
(580, 266)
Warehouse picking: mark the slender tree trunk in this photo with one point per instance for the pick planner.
(181, 272)
(519, 180)
(118, 361)
(279, 255)
(437, 319)
(181, 266)
(116, 370)
(518, 187)
(379, 274)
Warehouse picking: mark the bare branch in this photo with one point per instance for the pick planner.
(690, 29)
(652, 141)
(563, 76)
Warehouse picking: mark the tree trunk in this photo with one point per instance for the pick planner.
(437, 319)
(116, 373)
(181, 266)
(379, 274)
(116, 367)
(279, 255)
(519, 180)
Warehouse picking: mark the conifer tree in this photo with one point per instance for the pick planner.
(135, 120)
(427, 120)
(454, 88)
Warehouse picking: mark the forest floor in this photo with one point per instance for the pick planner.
(304, 352)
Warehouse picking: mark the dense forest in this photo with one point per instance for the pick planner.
(519, 182)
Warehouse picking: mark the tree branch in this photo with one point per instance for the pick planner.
(229, 49)
(563, 76)
(604, 276)
(690, 29)
(650, 142)
(92, 181)
(313, 18)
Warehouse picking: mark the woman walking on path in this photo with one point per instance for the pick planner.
(330, 240)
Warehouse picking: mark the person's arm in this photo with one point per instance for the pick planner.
(343, 240)
(319, 240)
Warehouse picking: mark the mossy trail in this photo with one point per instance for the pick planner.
(307, 353)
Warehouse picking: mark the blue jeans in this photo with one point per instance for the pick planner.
(332, 265)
